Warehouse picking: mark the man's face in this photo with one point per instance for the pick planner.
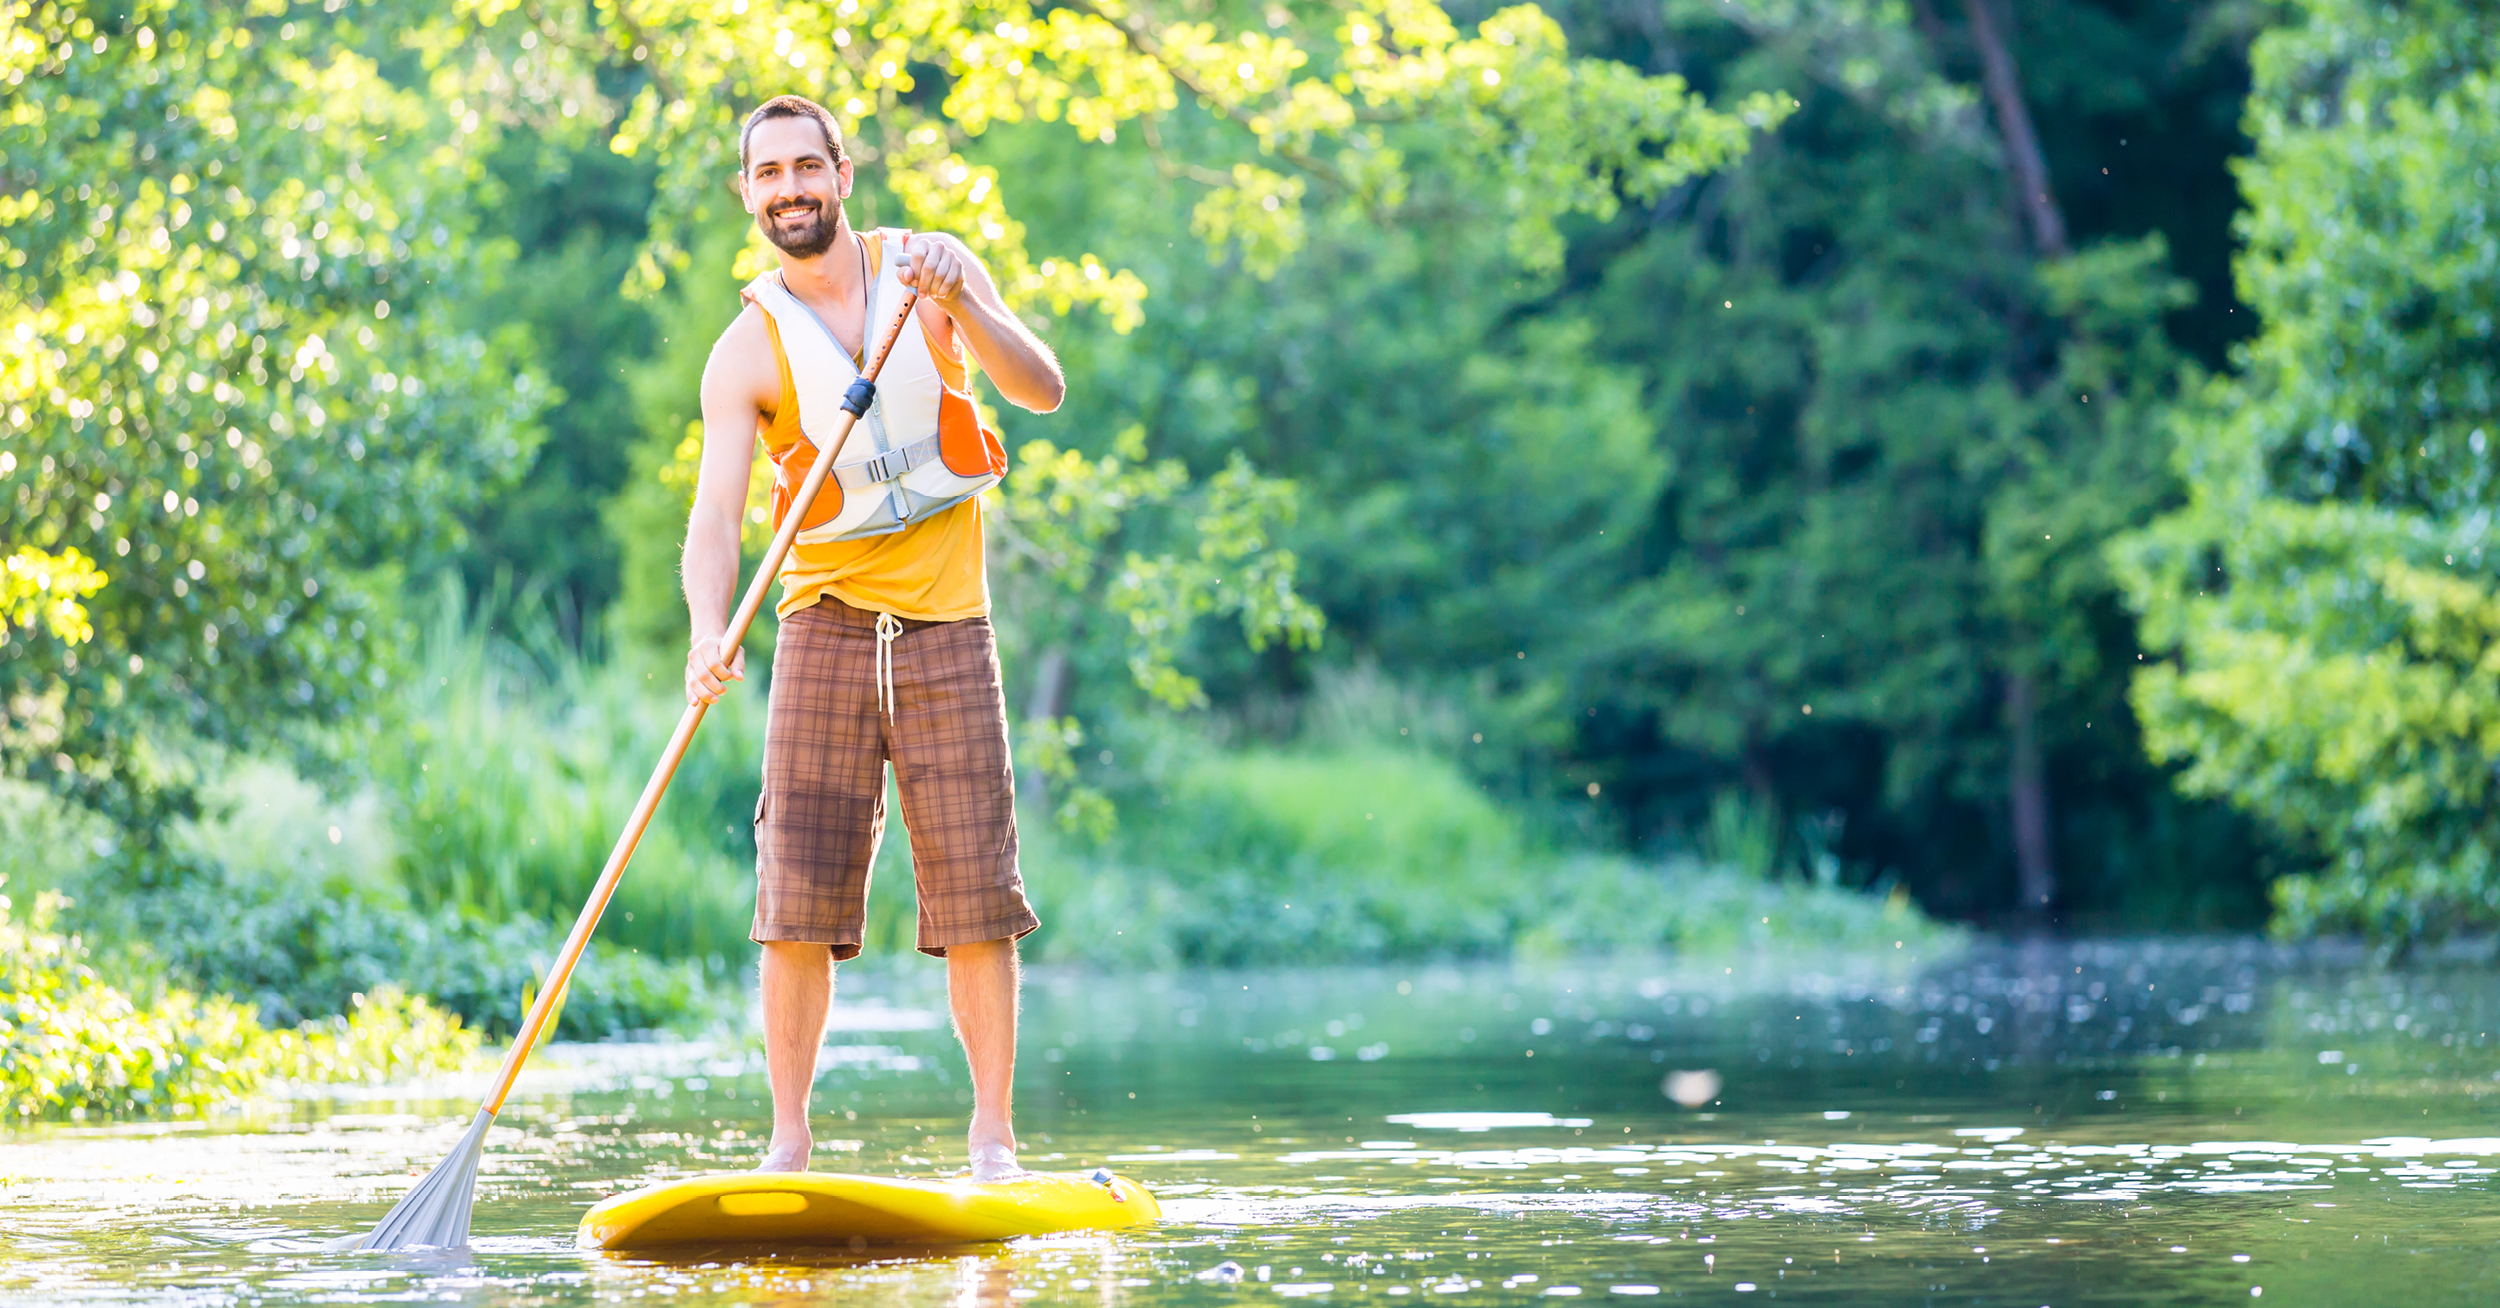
(794, 186)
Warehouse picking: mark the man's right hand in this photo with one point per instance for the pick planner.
(707, 674)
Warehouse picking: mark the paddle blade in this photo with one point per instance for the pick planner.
(436, 1213)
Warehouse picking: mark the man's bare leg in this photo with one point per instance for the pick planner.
(981, 986)
(798, 989)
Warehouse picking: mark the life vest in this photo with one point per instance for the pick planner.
(920, 448)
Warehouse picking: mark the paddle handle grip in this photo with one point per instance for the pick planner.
(560, 973)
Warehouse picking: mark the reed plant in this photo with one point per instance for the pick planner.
(517, 758)
(446, 857)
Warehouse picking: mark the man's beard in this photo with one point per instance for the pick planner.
(800, 232)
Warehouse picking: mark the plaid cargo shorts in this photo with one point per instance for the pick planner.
(827, 741)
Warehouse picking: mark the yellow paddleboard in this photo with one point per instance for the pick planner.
(830, 1208)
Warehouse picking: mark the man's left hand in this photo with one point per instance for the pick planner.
(978, 321)
(938, 268)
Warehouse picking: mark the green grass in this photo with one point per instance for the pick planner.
(1266, 857)
(488, 805)
(515, 765)
(489, 799)
(518, 767)
(260, 903)
(1371, 854)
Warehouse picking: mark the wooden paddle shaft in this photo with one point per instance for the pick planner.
(561, 973)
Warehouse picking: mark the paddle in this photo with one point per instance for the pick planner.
(436, 1213)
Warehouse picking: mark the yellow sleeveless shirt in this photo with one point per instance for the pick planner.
(935, 570)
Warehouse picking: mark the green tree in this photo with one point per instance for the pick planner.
(2325, 594)
(1438, 520)
(1905, 411)
(1809, 430)
(1278, 129)
(234, 370)
(576, 213)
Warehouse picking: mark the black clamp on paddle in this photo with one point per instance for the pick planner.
(855, 400)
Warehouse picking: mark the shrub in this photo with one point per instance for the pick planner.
(297, 948)
(293, 904)
(1371, 854)
(72, 1043)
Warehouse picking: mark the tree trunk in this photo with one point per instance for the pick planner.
(1755, 764)
(1050, 698)
(2027, 778)
(2035, 876)
(2004, 85)
(1929, 25)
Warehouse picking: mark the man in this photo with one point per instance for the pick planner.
(885, 649)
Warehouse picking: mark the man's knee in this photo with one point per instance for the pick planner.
(797, 956)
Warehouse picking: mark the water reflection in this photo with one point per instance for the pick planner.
(2033, 1125)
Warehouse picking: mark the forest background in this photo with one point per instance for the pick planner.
(1625, 473)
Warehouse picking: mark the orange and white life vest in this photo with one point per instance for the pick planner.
(919, 449)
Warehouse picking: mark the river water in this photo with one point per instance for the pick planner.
(2061, 1124)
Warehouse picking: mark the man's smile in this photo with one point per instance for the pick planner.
(801, 224)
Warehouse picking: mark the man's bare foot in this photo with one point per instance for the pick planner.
(787, 1153)
(994, 1159)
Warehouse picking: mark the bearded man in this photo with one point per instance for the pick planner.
(885, 650)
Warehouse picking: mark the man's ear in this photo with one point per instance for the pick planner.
(737, 183)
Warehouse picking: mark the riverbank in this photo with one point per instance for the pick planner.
(451, 870)
(307, 960)
(445, 861)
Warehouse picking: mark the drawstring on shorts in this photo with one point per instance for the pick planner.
(888, 627)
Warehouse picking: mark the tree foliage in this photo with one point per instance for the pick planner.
(1813, 430)
(1384, 109)
(1618, 382)
(2326, 590)
(1282, 122)
(232, 259)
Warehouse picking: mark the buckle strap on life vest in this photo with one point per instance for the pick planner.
(887, 466)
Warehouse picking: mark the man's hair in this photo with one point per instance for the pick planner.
(790, 106)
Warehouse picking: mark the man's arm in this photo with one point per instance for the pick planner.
(954, 279)
(735, 387)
